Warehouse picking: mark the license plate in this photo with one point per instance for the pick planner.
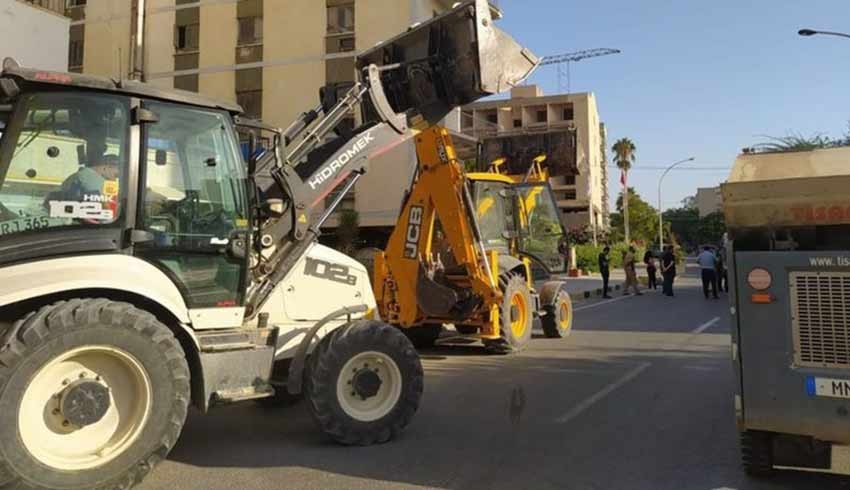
(828, 387)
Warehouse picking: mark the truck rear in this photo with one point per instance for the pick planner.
(788, 216)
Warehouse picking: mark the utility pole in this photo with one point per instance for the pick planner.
(660, 209)
(137, 42)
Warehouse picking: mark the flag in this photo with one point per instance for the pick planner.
(623, 177)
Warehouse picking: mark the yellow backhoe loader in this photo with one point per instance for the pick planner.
(462, 250)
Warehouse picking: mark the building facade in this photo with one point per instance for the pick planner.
(270, 56)
(708, 200)
(581, 190)
(35, 33)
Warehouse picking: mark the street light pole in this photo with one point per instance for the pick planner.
(660, 210)
(812, 32)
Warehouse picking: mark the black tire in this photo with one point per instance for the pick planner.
(59, 328)
(423, 336)
(513, 285)
(558, 321)
(757, 453)
(325, 368)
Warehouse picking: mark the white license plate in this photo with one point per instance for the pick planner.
(829, 387)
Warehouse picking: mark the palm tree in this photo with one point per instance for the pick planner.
(624, 156)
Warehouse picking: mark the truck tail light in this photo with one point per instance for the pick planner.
(759, 279)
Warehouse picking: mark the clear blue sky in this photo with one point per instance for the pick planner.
(701, 79)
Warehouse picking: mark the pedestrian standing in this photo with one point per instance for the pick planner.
(631, 273)
(605, 270)
(649, 260)
(722, 272)
(708, 267)
(668, 270)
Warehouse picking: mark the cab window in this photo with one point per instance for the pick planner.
(61, 162)
(194, 202)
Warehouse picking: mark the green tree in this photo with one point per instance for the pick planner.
(643, 217)
(711, 228)
(683, 223)
(624, 156)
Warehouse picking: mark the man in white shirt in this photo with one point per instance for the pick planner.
(708, 264)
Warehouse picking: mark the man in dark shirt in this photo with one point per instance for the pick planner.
(605, 270)
(668, 270)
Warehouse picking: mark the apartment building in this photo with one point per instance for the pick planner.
(35, 33)
(579, 174)
(270, 56)
(708, 200)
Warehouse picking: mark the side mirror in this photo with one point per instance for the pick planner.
(161, 158)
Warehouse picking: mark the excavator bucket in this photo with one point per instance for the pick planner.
(451, 60)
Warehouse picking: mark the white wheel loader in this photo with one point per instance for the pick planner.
(146, 266)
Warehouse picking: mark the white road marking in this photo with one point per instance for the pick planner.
(705, 326)
(588, 402)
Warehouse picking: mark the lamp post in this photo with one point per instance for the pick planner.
(812, 32)
(660, 210)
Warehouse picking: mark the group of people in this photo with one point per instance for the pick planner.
(667, 266)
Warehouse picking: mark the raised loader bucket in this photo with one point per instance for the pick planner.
(450, 60)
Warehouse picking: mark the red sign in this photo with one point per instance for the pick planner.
(820, 214)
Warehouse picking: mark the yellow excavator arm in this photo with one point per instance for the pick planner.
(404, 273)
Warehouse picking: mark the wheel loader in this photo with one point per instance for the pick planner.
(462, 250)
(146, 267)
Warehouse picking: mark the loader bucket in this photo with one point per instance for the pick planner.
(451, 60)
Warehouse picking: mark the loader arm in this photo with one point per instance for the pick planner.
(403, 278)
(412, 80)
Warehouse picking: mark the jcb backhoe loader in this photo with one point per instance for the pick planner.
(461, 254)
(143, 269)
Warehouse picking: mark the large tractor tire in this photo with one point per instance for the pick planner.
(423, 336)
(93, 394)
(516, 316)
(364, 383)
(757, 453)
(558, 320)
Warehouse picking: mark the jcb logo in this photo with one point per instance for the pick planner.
(414, 232)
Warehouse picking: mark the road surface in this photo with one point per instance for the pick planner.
(638, 397)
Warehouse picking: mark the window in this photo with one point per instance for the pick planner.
(64, 160)
(187, 37)
(186, 82)
(193, 202)
(250, 30)
(570, 180)
(75, 3)
(570, 194)
(517, 123)
(251, 102)
(542, 116)
(249, 91)
(568, 114)
(75, 53)
(340, 17)
(492, 118)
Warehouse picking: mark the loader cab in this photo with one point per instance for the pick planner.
(519, 218)
(88, 165)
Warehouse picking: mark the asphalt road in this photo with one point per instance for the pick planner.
(638, 397)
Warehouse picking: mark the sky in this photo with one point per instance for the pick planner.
(695, 79)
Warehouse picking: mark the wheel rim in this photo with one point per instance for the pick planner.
(519, 324)
(373, 402)
(565, 318)
(43, 422)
